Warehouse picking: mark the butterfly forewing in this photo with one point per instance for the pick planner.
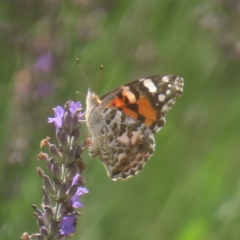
(147, 99)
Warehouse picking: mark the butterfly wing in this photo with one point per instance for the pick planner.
(124, 123)
(124, 144)
(147, 99)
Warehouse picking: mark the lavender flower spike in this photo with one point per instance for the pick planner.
(64, 186)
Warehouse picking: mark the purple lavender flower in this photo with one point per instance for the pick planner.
(57, 120)
(44, 63)
(74, 107)
(68, 224)
(80, 191)
(72, 116)
(74, 111)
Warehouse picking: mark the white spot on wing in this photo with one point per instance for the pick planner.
(135, 136)
(168, 105)
(157, 129)
(161, 97)
(129, 95)
(168, 92)
(123, 138)
(148, 83)
(171, 102)
(165, 108)
(165, 79)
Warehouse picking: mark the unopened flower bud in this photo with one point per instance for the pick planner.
(35, 208)
(72, 191)
(40, 172)
(67, 121)
(55, 153)
(72, 171)
(44, 232)
(62, 138)
(72, 116)
(48, 184)
(37, 211)
(53, 229)
(40, 221)
(62, 191)
(50, 165)
(62, 209)
(76, 135)
(47, 202)
(75, 121)
(49, 213)
(56, 171)
(70, 155)
(70, 121)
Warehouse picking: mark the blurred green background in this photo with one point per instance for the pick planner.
(190, 189)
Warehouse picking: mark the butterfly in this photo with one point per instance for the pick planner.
(122, 123)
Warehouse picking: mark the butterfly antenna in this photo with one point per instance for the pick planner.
(78, 92)
(80, 66)
(75, 94)
(99, 76)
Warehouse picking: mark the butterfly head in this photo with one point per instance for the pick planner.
(92, 98)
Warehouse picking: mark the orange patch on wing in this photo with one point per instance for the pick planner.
(145, 108)
(117, 102)
(130, 112)
(148, 122)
